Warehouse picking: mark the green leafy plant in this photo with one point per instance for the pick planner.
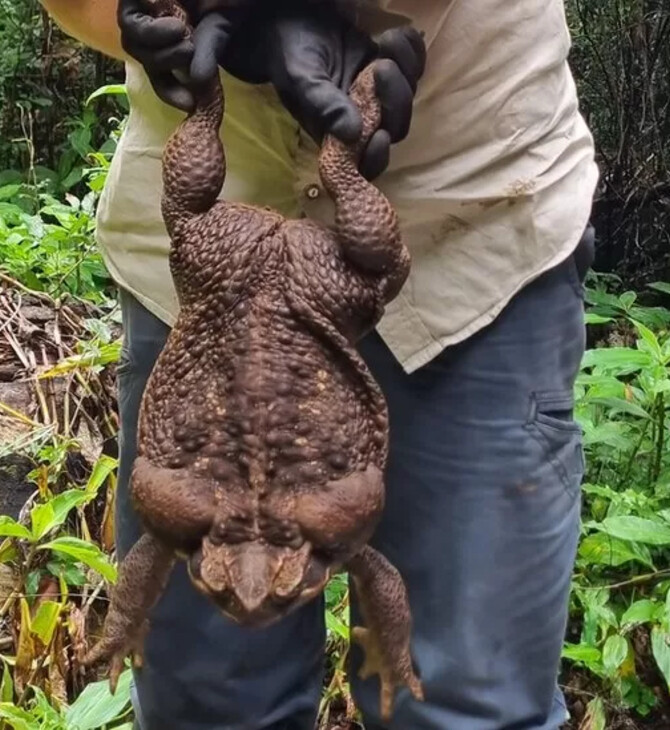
(46, 519)
(621, 596)
(52, 559)
(337, 690)
(610, 307)
(47, 221)
(95, 708)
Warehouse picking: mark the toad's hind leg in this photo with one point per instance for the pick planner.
(142, 579)
(386, 637)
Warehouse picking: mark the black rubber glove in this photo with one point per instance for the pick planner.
(311, 56)
(162, 47)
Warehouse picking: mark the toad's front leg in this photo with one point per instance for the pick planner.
(386, 636)
(142, 578)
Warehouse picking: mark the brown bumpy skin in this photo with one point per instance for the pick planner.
(385, 639)
(262, 435)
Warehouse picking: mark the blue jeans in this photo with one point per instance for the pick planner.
(482, 519)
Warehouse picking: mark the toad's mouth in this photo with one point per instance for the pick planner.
(256, 583)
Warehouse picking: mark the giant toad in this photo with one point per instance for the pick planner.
(262, 435)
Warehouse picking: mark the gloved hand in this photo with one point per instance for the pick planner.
(162, 47)
(311, 56)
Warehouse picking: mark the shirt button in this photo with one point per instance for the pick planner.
(312, 192)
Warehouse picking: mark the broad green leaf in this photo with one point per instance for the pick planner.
(100, 328)
(656, 318)
(660, 645)
(599, 490)
(80, 139)
(640, 612)
(627, 299)
(11, 528)
(84, 552)
(661, 386)
(649, 339)
(602, 549)
(336, 589)
(10, 176)
(614, 653)
(636, 529)
(107, 90)
(12, 214)
(603, 385)
(622, 360)
(104, 466)
(32, 582)
(589, 633)
(605, 381)
(17, 718)
(72, 178)
(97, 706)
(45, 517)
(583, 653)
(591, 318)
(595, 718)
(8, 551)
(621, 405)
(47, 713)
(661, 286)
(104, 355)
(602, 299)
(9, 191)
(7, 686)
(45, 620)
(336, 625)
(65, 568)
(597, 617)
(609, 433)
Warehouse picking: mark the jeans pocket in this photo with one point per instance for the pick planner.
(551, 423)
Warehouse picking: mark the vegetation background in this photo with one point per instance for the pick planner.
(61, 111)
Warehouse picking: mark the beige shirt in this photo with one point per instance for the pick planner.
(493, 186)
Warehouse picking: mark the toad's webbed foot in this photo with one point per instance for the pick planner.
(143, 575)
(386, 638)
(118, 642)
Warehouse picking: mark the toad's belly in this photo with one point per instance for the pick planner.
(260, 404)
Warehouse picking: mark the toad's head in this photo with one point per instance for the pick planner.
(256, 582)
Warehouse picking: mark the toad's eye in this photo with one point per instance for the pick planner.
(236, 529)
(283, 533)
(292, 539)
(288, 536)
(333, 552)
